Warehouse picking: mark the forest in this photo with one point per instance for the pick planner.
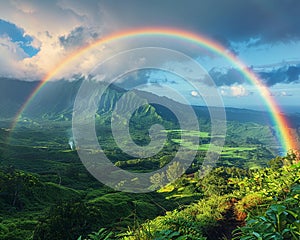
(46, 192)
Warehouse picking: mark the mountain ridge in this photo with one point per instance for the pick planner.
(57, 99)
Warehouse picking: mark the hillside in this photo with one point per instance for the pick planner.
(58, 98)
(46, 192)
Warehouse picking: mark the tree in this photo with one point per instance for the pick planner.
(276, 163)
(15, 185)
(65, 221)
(164, 160)
(174, 171)
(157, 180)
(292, 157)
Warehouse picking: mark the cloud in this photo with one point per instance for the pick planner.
(281, 94)
(226, 77)
(233, 20)
(17, 35)
(15, 62)
(234, 91)
(55, 30)
(11, 49)
(278, 74)
(133, 80)
(78, 37)
(57, 27)
(194, 93)
(284, 74)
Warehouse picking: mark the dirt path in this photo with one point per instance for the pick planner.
(226, 225)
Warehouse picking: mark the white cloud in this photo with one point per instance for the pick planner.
(194, 93)
(281, 94)
(11, 56)
(47, 22)
(9, 48)
(234, 91)
(23, 6)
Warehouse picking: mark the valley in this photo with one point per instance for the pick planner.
(47, 193)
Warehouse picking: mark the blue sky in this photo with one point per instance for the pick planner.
(35, 36)
(17, 35)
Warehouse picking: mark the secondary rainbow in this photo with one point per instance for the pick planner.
(285, 137)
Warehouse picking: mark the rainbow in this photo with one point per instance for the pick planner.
(285, 137)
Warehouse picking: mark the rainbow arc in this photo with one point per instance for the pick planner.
(285, 137)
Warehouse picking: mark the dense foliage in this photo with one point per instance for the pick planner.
(46, 193)
(263, 202)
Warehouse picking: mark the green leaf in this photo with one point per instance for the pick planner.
(286, 230)
(295, 215)
(263, 219)
(278, 208)
(257, 235)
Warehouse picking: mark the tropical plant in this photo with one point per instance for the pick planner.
(280, 221)
(102, 234)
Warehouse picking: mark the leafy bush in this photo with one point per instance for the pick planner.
(102, 234)
(192, 222)
(64, 221)
(280, 221)
(249, 203)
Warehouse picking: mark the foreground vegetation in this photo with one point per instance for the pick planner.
(46, 193)
(260, 204)
(227, 203)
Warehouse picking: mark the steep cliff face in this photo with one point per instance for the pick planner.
(56, 99)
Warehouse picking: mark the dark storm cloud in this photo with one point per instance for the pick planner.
(74, 38)
(133, 80)
(73, 23)
(77, 37)
(227, 77)
(269, 22)
(231, 20)
(286, 74)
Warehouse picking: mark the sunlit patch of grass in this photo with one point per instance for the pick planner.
(167, 188)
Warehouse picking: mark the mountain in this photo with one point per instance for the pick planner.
(13, 93)
(56, 99)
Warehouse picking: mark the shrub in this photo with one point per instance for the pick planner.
(280, 221)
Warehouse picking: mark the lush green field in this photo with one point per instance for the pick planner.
(249, 152)
(46, 193)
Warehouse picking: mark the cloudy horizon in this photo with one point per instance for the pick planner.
(36, 35)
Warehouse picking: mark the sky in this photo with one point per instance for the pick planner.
(36, 35)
